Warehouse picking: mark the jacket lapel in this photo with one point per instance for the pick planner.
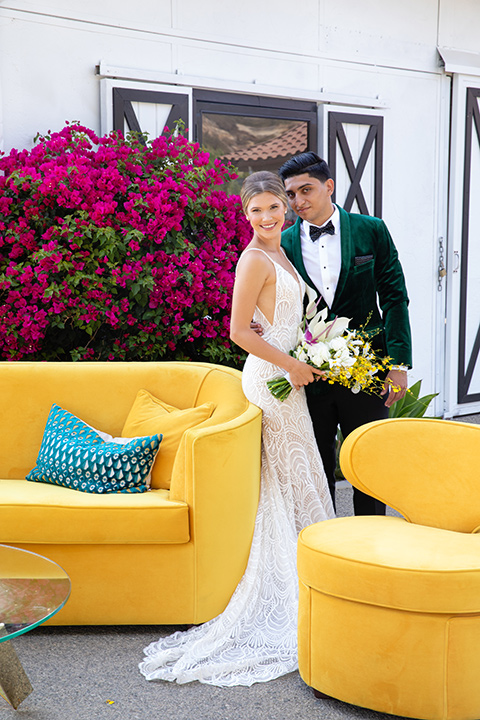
(346, 246)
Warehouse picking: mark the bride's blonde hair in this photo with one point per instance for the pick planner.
(260, 182)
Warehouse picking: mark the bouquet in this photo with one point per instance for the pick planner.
(346, 356)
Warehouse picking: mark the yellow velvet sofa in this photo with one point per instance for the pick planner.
(389, 607)
(164, 556)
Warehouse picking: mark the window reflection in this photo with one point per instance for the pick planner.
(252, 143)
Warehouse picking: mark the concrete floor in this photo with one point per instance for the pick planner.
(90, 673)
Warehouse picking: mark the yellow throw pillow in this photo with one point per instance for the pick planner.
(150, 412)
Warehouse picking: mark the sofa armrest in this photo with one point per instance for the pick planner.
(217, 472)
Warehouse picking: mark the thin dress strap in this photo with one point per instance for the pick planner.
(297, 275)
(259, 250)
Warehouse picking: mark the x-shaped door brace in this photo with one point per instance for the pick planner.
(355, 172)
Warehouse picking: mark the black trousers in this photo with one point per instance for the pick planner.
(338, 406)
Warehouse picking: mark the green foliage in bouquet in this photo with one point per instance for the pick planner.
(117, 248)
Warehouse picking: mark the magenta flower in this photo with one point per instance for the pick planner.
(111, 249)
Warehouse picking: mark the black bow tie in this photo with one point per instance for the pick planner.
(315, 232)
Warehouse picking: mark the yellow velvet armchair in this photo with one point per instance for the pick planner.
(389, 613)
(173, 554)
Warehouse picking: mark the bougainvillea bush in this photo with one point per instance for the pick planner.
(115, 248)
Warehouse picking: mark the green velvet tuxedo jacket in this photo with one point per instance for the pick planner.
(371, 281)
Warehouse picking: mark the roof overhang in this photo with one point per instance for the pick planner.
(459, 61)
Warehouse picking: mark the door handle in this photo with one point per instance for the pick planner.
(456, 261)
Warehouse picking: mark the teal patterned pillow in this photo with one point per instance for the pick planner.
(74, 455)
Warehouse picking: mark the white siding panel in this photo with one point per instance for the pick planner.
(270, 24)
(116, 13)
(247, 67)
(397, 34)
(52, 79)
(459, 25)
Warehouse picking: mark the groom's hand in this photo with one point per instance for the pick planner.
(395, 385)
(256, 327)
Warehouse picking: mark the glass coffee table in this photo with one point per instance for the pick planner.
(32, 590)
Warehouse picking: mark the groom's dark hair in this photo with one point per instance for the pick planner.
(306, 162)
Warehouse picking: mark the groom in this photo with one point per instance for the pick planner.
(352, 262)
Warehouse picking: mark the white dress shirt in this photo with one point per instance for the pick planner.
(323, 258)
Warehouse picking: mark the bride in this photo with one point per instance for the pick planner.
(255, 638)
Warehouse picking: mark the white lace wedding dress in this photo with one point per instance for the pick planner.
(255, 638)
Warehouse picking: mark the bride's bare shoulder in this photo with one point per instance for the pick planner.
(255, 256)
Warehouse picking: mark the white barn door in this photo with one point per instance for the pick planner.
(463, 278)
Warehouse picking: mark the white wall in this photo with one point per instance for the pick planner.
(48, 57)
(371, 53)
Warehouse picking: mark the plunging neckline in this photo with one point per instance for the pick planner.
(295, 275)
(296, 278)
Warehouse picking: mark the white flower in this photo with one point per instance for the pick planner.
(327, 331)
(317, 325)
(337, 327)
(312, 302)
(300, 335)
(301, 353)
(319, 353)
(342, 358)
(338, 343)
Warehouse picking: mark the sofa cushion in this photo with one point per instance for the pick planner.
(149, 415)
(390, 562)
(73, 454)
(42, 513)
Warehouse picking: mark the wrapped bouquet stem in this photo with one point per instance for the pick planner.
(346, 356)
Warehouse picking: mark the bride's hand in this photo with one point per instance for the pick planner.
(301, 374)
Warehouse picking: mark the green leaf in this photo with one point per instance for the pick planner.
(415, 389)
(411, 405)
(419, 408)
